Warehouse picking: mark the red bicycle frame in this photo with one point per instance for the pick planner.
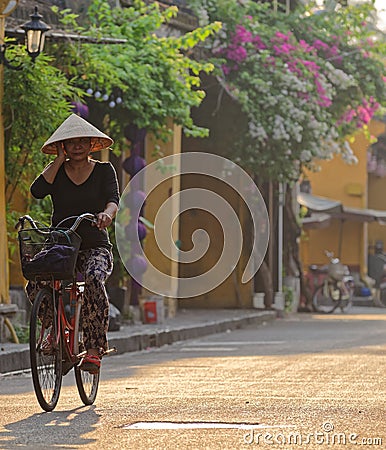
(72, 323)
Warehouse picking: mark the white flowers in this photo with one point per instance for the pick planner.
(306, 156)
(298, 104)
(348, 154)
(257, 131)
(339, 78)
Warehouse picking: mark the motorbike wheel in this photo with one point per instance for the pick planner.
(323, 300)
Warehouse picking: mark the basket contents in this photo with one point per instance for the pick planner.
(48, 253)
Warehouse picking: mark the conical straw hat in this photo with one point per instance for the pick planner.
(74, 127)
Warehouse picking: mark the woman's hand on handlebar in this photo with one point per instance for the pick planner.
(103, 220)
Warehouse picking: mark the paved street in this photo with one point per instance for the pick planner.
(305, 381)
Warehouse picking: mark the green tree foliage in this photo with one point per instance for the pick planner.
(36, 100)
(155, 76)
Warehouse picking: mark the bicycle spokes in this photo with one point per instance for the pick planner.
(45, 354)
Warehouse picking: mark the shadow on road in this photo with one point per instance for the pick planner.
(59, 429)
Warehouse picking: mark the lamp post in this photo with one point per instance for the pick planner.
(34, 30)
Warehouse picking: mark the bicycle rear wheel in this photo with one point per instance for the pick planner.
(46, 365)
(86, 382)
(323, 299)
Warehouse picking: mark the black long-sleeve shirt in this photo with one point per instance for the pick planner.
(70, 199)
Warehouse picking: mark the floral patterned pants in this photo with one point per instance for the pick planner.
(95, 265)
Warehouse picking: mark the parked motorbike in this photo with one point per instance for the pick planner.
(336, 289)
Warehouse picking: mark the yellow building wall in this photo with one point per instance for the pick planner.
(348, 184)
(15, 275)
(153, 202)
(230, 293)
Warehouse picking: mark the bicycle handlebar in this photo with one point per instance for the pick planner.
(20, 223)
(86, 216)
(79, 219)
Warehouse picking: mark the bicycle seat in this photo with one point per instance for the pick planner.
(318, 269)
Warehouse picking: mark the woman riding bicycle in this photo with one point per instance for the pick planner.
(78, 184)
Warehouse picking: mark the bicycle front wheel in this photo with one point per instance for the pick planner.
(86, 382)
(325, 299)
(46, 360)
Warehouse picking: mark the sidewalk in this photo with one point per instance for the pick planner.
(188, 324)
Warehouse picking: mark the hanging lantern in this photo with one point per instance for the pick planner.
(135, 200)
(133, 164)
(80, 109)
(135, 231)
(134, 134)
(137, 265)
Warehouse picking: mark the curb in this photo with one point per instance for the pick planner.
(161, 337)
(16, 358)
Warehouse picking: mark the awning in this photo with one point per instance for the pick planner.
(334, 209)
(316, 221)
(319, 204)
(361, 215)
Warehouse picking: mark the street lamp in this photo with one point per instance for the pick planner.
(34, 34)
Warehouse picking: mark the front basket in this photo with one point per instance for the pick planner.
(48, 253)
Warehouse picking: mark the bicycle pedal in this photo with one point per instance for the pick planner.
(109, 351)
(81, 355)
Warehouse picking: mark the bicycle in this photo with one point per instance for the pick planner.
(48, 254)
(336, 289)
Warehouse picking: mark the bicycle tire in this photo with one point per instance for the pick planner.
(86, 382)
(322, 302)
(46, 368)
